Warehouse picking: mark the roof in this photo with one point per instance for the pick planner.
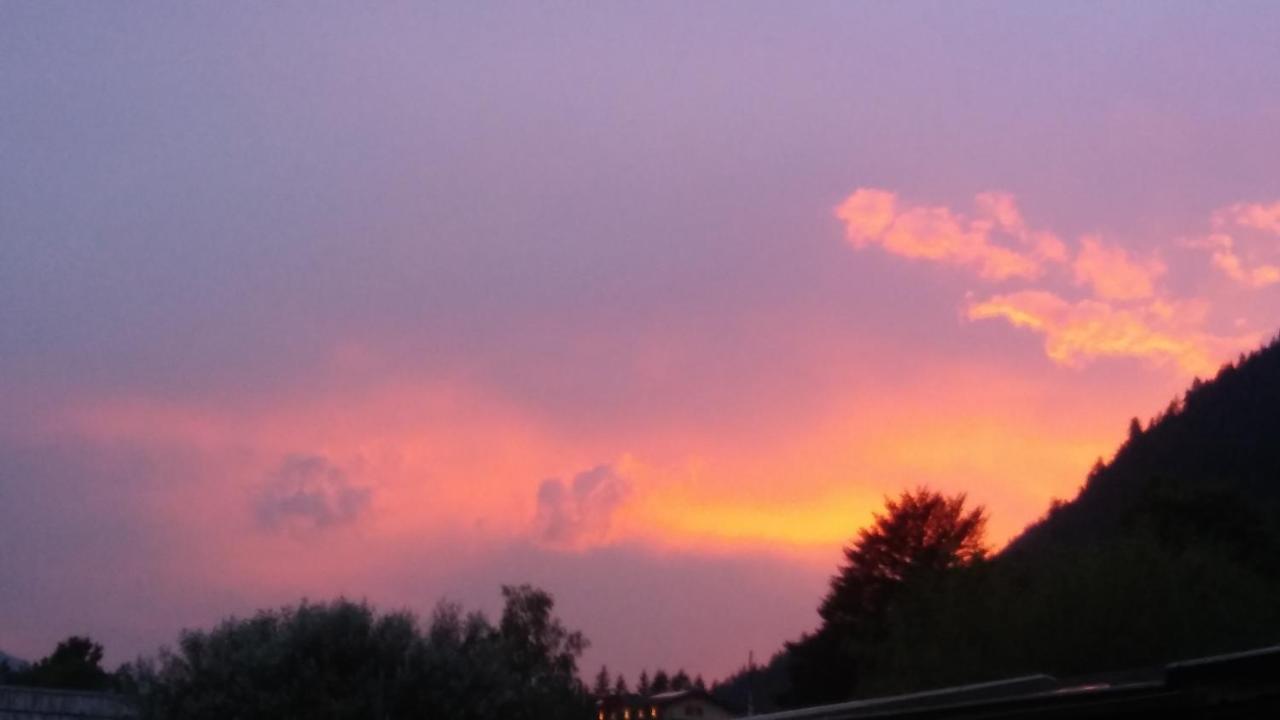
(666, 698)
(659, 699)
(1237, 685)
(30, 703)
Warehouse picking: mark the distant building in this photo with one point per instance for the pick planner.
(29, 703)
(677, 705)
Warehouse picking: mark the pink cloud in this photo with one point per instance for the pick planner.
(1113, 273)
(1127, 314)
(1264, 217)
(1225, 258)
(1245, 234)
(995, 242)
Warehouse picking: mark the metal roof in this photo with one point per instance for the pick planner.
(30, 703)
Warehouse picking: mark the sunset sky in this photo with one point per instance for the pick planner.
(648, 304)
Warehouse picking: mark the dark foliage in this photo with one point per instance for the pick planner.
(75, 664)
(755, 688)
(1168, 551)
(920, 536)
(344, 660)
(1205, 471)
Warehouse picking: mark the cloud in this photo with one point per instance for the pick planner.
(1076, 333)
(309, 492)
(1243, 233)
(580, 512)
(995, 242)
(1113, 273)
(1126, 313)
(1264, 217)
(1225, 258)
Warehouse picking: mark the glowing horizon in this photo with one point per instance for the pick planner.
(410, 303)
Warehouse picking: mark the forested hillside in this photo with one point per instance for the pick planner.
(1168, 551)
(1205, 471)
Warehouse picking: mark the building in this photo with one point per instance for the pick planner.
(677, 705)
(29, 703)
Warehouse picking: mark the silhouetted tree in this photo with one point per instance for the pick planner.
(661, 682)
(756, 687)
(603, 685)
(75, 664)
(620, 686)
(343, 660)
(919, 535)
(681, 681)
(644, 687)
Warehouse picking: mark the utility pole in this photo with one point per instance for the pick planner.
(751, 682)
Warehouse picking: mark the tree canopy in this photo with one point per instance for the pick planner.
(75, 664)
(343, 659)
(920, 534)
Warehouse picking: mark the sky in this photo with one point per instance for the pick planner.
(648, 304)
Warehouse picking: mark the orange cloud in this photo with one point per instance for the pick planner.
(1113, 273)
(874, 216)
(1078, 332)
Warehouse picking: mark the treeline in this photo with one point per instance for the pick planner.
(606, 685)
(343, 659)
(75, 664)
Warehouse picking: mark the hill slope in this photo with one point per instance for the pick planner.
(1205, 471)
(1167, 552)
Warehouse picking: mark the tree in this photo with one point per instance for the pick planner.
(919, 535)
(344, 660)
(541, 652)
(661, 682)
(75, 664)
(681, 681)
(644, 687)
(620, 686)
(602, 686)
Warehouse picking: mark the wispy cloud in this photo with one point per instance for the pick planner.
(995, 242)
(1223, 255)
(1245, 243)
(1080, 331)
(1124, 311)
(1264, 217)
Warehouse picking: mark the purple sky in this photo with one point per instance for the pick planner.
(407, 302)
